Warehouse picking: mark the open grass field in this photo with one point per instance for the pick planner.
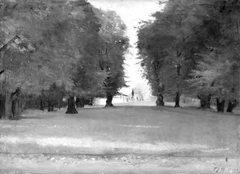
(154, 138)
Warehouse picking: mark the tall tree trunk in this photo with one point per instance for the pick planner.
(160, 97)
(12, 110)
(2, 106)
(21, 104)
(109, 100)
(60, 102)
(8, 106)
(231, 105)
(177, 100)
(41, 104)
(220, 105)
(205, 101)
(160, 101)
(77, 102)
(50, 106)
(91, 101)
(71, 106)
(16, 109)
(80, 102)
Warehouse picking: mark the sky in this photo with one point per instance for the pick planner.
(131, 12)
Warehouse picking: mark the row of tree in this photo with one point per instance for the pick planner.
(53, 49)
(192, 49)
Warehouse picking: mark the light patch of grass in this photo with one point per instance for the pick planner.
(90, 143)
(133, 128)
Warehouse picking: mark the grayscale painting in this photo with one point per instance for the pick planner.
(119, 86)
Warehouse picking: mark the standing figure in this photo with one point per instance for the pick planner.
(132, 94)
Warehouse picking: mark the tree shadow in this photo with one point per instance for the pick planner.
(115, 107)
(29, 117)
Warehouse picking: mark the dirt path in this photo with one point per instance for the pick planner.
(52, 164)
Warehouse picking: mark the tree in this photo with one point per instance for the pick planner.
(104, 29)
(173, 50)
(218, 72)
(161, 44)
(89, 77)
(152, 60)
(112, 59)
(52, 97)
(47, 47)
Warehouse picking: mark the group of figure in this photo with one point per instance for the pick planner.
(135, 96)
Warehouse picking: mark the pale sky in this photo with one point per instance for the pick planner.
(131, 12)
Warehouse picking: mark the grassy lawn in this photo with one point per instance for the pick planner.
(123, 129)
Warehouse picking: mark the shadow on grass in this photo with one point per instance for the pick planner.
(184, 109)
(29, 117)
(114, 107)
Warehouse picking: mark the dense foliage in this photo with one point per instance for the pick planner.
(191, 49)
(54, 49)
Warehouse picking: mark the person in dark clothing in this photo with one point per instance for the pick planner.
(132, 94)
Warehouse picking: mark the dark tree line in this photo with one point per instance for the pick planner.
(52, 50)
(191, 49)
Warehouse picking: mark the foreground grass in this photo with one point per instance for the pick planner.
(132, 129)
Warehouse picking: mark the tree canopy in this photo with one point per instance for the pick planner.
(190, 49)
(58, 42)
